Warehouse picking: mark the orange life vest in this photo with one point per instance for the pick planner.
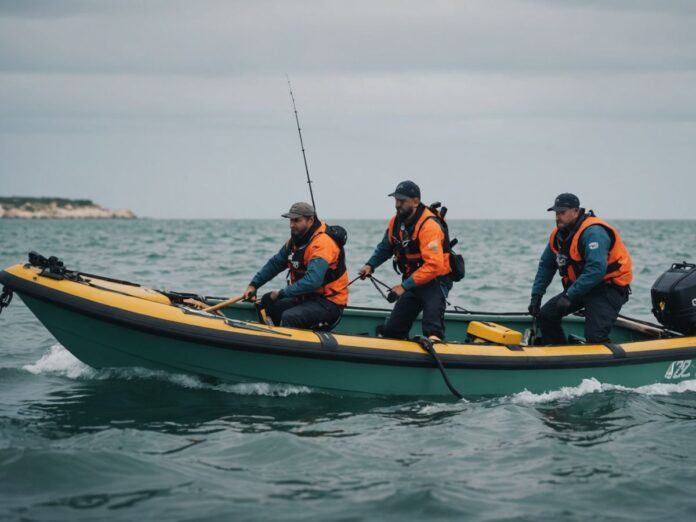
(335, 284)
(570, 259)
(408, 244)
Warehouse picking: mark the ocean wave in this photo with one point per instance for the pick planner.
(59, 361)
(437, 408)
(588, 386)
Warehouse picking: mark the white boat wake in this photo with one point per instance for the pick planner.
(588, 386)
(59, 361)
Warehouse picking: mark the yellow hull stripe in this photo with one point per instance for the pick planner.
(150, 303)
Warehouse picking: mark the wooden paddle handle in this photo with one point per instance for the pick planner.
(652, 331)
(224, 304)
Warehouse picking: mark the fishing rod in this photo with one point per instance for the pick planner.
(304, 156)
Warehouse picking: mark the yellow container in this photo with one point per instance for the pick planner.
(494, 333)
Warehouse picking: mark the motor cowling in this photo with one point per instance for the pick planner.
(674, 298)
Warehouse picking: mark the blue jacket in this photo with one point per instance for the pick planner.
(383, 251)
(311, 281)
(595, 243)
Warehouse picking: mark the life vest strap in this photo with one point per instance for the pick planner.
(297, 268)
(408, 258)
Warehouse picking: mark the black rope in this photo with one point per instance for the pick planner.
(457, 308)
(353, 281)
(335, 292)
(111, 279)
(428, 346)
(374, 279)
(461, 310)
(390, 296)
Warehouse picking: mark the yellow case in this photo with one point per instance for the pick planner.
(492, 332)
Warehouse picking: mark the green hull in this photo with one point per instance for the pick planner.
(101, 344)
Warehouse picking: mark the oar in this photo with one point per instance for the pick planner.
(224, 304)
(636, 326)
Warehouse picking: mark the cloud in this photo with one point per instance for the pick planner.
(481, 102)
(397, 98)
(232, 39)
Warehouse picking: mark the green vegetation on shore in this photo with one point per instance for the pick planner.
(18, 201)
(24, 207)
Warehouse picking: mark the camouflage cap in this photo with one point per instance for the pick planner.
(300, 210)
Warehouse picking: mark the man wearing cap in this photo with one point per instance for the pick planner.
(595, 267)
(318, 289)
(416, 239)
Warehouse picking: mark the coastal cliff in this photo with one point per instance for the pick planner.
(57, 208)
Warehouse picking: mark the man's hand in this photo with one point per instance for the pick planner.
(250, 293)
(365, 271)
(534, 305)
(398, 290)
(275, 294)
(395, 292)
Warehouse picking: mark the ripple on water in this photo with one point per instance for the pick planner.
(76, 442)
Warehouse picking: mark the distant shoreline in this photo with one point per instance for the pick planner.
(19, 207)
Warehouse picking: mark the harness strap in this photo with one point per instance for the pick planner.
(297, 256)
(409, 256)
(5, 297)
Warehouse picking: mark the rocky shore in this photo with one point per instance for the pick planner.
(57, 208)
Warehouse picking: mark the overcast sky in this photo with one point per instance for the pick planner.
(181, 109)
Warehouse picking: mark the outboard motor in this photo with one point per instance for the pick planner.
(674, 298)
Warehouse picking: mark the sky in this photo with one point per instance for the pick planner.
(179, 109)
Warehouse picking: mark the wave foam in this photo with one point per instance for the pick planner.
(567, 392)
(59, 361)
(664, 388)
(588, 386)
(437, 408)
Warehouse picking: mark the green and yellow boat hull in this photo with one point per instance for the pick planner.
(107, 323)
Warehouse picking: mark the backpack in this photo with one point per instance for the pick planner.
(338, 234)
(457, 265)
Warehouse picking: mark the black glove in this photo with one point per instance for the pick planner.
(563, 304)
(265, 302)
(534, 305)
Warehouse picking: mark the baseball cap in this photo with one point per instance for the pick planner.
(406, 189)
(564, 202)
(300, 209)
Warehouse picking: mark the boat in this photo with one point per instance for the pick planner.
(106, 322)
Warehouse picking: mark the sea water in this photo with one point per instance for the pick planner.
(79, 443)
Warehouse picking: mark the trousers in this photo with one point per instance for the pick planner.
(602, 306)
(310, 312)
(431, 299)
